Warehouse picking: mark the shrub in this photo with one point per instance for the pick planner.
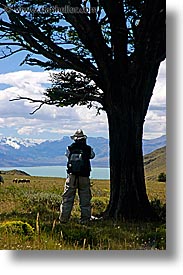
(98, 204)
(162, 177)
(17, 227)
(42, 202)
(159, 208)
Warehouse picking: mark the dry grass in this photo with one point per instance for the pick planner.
(34, 207)
(37, 203)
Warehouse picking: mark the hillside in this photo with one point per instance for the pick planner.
(14, 172)
(155, 163)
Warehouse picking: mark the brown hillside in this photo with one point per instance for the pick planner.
(15, 172)
(155, 163)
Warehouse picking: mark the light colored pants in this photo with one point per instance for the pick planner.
(71, 185)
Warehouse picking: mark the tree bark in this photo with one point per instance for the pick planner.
(128, 197)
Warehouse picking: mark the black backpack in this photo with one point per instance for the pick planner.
(76, 162)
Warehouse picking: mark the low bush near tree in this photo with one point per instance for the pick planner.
(162, 177)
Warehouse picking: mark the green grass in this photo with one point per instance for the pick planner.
(29, 219)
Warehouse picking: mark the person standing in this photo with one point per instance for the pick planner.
(78, 170)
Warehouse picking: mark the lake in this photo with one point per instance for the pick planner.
(59, 171)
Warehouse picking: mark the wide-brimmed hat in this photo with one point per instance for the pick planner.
(79, 135)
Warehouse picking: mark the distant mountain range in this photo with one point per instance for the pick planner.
(16, 152)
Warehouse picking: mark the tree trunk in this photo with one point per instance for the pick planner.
(128, 198)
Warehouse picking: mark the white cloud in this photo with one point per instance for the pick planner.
(49, 119)
(55, 122)
(155, 121)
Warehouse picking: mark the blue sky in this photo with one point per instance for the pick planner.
(51, 122)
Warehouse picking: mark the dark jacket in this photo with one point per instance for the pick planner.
(87, 155)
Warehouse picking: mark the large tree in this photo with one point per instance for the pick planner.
(106, 51)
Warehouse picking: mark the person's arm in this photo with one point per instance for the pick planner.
(92, 154)
(67, 153)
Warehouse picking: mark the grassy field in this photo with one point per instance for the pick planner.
(29, 219)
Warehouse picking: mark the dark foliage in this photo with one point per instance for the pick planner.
(162, 177)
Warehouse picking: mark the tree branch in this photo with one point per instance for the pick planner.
(10, 54)
(42, 102)
(89, 32)
(75, 62)
(77, 99)
(32, 34)
(119, 33)
(151, 33)
(9, 44)
(69, 88)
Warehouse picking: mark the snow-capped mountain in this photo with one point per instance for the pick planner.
(16, 152)
(18, 142)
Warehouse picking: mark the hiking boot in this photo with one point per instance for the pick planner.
(88, 220)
